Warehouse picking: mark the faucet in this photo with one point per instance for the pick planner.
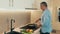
(12, 20)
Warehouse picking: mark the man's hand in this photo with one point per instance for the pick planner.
(39, 24)
(38, 20)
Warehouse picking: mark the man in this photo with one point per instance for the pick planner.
(46, 27)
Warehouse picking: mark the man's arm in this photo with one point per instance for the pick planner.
(38, 20)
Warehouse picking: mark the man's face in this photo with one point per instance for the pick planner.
(42, 7)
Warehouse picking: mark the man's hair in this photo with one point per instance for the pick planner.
(59, 8)
(44, 3)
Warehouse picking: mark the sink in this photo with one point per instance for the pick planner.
(30, 26)
(14, 32)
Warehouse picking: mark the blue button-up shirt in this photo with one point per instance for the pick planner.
(46, 22)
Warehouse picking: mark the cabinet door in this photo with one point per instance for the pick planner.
(19, 4)
(22, 4)
(4, 4)
(28, 3)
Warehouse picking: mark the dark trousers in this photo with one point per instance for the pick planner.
(43, 33)
(59, 18)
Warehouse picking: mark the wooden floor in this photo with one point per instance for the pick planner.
(57, 32)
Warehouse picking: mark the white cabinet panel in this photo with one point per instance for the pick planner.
(17, 4)
(4, 3)
(28, 3)
(22, 4)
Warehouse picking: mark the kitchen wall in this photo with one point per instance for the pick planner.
(21, 18)
(56, 24)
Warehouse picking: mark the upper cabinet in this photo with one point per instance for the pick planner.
(4, 3)
(22, 4)
(16, 4)
(19, 4)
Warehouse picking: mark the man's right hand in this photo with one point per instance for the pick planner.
(38, 20)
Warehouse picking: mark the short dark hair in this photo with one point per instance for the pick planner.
(59, 8)
(44, 3)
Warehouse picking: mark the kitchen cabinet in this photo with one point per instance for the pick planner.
(4, 3)
(19, 4)
(22, 4)
(16, 4)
